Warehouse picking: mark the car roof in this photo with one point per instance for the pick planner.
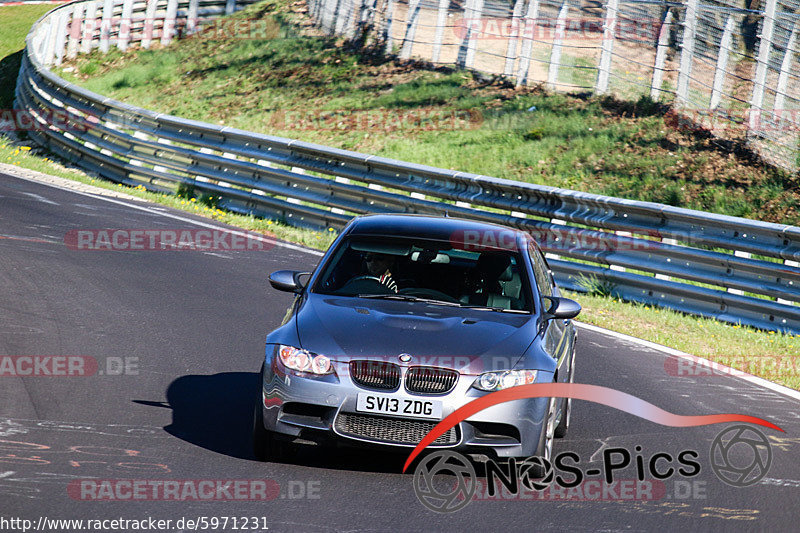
(422, 226)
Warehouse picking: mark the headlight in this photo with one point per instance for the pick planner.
(503, 379)
(303, 360)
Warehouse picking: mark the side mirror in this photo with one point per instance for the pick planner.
(288, 280)
(562, 308)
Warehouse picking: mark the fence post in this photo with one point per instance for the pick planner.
(687, 51)
(149, 23)
(762, 65)
(411, 28)
(124, 31)
(105, 24)
(61, 33)
(441, 21)
(354, 22)
(607, 47)
(191, 18)
(472, 44)
(387, 28)
(88, 27)
(661, 56)
(168, 29)
(325, 15)
(75, 31)
(722, 63)
(513, 39)
(555, 54)
(527, 42)
(230, 6)
(783, 77)
(342, 15)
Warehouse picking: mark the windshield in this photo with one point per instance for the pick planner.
(431, 271)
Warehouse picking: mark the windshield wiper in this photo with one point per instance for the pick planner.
(408, 298)
(498, 309)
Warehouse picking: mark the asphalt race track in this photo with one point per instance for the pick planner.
(190, 327)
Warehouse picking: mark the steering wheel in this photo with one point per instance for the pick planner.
(364, 284)
(359, 278)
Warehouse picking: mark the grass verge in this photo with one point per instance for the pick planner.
(276, 75)
(771, 356)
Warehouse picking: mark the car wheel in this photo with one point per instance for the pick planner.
(545, 448)
(566, 407)
(266, 445)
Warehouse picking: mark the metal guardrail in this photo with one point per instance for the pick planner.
(691, 261)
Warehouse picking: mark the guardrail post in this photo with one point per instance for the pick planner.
(105, 24)
(513, 39)
(230, 6)
(529, 22)
(124, 29)
(475, 23)
(661, 56)
(762, 64)
(411, 28)
(607, 47)
(783, 77)
(555, 54)
(75, 31)
(441, 21)
(149, 23)
(168, 29)
(722, 64)
(61, 33)
(687, 52)
(89, 26)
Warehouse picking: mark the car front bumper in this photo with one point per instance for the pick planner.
(313, 408)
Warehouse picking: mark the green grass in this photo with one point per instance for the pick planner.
(298, 85)
(772, 356)
(15, 22)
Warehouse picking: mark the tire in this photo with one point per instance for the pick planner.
(566, 407)
(545, 447)
(267, 447)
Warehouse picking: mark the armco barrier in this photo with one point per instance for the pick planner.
(733, 269)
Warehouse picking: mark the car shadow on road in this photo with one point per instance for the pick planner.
(215, 413)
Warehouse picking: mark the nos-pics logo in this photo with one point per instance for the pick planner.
(446, 481)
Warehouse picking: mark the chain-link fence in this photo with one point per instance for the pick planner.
(728, 66)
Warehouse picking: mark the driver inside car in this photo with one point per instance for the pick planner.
(380, 266)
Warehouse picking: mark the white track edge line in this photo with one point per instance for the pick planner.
(755, 380)
(175, 217)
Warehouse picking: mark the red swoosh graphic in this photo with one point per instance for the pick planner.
(578, 391)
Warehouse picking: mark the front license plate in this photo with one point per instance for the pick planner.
(399, 406)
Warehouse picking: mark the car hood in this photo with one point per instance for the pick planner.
(468, 340)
